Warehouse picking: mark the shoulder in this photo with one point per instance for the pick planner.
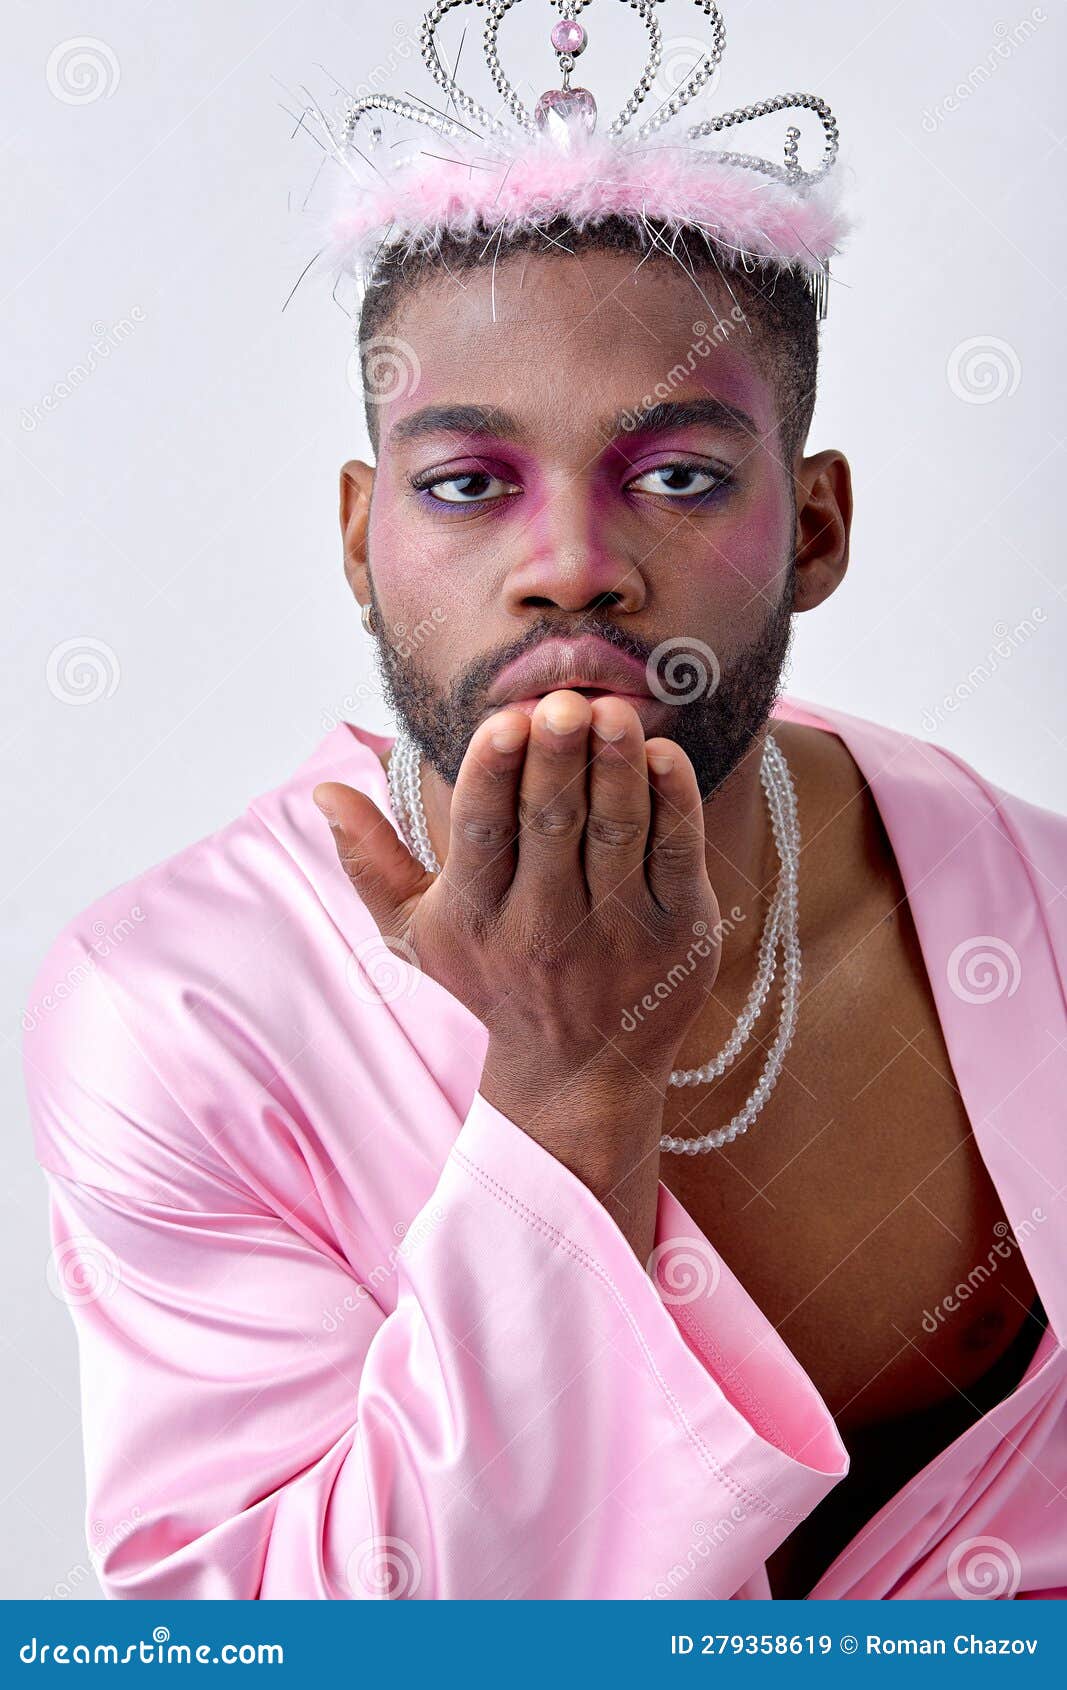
(142, 999)
(963, 842)
(864, 751)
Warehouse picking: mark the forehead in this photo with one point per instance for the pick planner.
(561, 338)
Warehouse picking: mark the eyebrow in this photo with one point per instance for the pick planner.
(682, 413)
(474, 421)
(456, 419)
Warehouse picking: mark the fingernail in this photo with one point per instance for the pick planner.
(507, 737)
(611, 734)
(561, 717)
(330, 814)
(660, 763)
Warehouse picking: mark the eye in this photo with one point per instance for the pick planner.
(680, 481)
(473, 487)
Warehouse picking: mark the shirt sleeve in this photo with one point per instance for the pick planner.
(538, 1416)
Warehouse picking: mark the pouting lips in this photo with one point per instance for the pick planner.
(587, 665)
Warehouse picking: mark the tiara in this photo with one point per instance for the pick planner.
(412, 171)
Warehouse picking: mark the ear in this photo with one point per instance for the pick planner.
(357, 479)
(824, 524)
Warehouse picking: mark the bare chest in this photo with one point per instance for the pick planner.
(858, 1213)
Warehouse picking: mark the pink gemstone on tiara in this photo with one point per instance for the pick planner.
(568, 37)
(564, 113)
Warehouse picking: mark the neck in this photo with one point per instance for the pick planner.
(741, 857)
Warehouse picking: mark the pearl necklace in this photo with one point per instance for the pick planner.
(780, 928)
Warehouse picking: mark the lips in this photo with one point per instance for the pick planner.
(587, 664)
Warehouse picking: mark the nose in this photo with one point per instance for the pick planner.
(570, 558)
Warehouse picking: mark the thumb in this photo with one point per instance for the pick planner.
(377, 862)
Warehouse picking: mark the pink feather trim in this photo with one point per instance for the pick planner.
(741, 210)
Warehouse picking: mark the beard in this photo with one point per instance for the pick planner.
(716, 706)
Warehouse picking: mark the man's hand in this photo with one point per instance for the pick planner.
(574, 887)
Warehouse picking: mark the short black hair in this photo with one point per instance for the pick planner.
(776, 305)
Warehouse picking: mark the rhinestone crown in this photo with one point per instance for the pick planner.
(523, 165)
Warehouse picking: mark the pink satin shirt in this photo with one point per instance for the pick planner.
(347, 1332)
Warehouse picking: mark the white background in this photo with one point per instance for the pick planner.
(175, 511)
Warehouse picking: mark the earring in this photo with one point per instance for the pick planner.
(370, 625)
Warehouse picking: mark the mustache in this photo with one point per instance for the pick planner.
(480, 675)
(714, 729)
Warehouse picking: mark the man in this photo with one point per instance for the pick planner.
(366, 1149)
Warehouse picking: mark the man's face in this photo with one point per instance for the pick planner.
(609, 509)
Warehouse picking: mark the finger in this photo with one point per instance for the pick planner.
(675, 866)
(376, 860)
(552, 797)
(620, 805)
(484, 816)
